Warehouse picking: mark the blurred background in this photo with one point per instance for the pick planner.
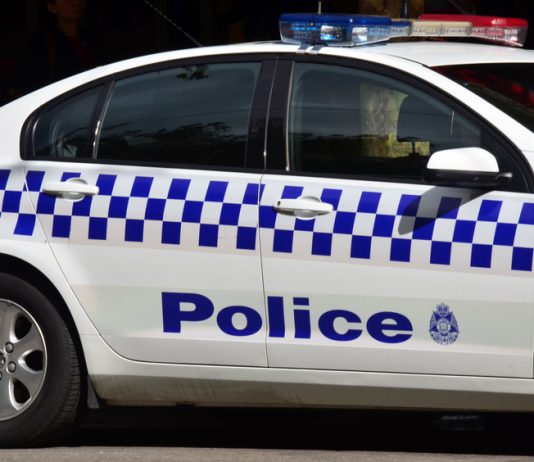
(119, 29)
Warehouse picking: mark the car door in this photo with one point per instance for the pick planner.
(147, 189)
(365, 267)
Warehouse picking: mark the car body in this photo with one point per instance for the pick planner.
(248, 225)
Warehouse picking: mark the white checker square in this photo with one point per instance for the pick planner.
(443, 230)
(403, 227)
(197, 190)
(99, 206)
(211, 213)
(174, 210)
(151, 233)
(349, 200)
(116, 231)
(363, 224)
(389, 203)
(484, 232)
(189, 237)
(510, 210)
(302, 243)
(235, 193)
(123, 185)
(341, 244)
(524, 236)
(248, 216)
(79, 229)
(136, 208)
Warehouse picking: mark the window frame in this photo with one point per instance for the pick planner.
(278, 129)
(254, 146)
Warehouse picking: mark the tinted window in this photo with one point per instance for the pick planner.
(508, 86)
(65, 130)
(345, 120)
(195, 115)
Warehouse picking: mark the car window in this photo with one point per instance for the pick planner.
(352, 121)
(193, 115)
(65, 131)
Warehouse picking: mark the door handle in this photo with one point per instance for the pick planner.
(303, 207)
(73, 189)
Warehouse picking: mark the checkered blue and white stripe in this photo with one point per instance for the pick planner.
(198, 212)
(388, 226)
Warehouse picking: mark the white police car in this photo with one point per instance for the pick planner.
(273, 225)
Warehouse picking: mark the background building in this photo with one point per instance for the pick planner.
(124, 28)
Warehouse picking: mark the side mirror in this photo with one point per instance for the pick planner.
(465, 168)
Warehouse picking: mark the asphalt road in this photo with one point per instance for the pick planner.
(198, 435)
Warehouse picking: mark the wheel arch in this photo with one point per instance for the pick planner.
(27, 272)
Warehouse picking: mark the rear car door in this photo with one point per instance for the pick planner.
(147, 189)
(365, 267)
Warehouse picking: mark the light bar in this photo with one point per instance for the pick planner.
(428, 28)
(508, 31)
(334, 29)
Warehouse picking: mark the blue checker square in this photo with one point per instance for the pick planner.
(283, 241)
(292, 192)
(383, 226)
(82, 208)
(208, 236)
(118, 206)
(505, 234)
(178, 189)
(68, 175)
(251, 196)
(61, 226)
(423, 228)
(267, 217)
(481, 256)
(246, 238)
(155, 209)
(11, 201)
(171, 232)
(369, 202)
(134, 231)
(98, 228)
(46, 204)
(464, 231)
(331, 196)
(408, 205)
(400, 250)
(105, 184)
(361, 247)
(448, 207)
(216, 191)
(522, 259)
(25, 225)
(489, 210)
(230, 214)
(527, 215)
(141, 186)
(344, 222)
(34, 180)
(322, 244)
(192, 212)
(304, 225)
(440, 253)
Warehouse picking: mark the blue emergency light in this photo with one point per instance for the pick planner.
(344, 30)
(334, 29)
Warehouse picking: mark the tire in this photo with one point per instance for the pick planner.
(40, 391)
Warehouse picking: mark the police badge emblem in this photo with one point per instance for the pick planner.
(443, 325)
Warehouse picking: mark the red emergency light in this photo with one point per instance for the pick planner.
(509, 31)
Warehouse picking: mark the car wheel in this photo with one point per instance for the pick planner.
(39, 368)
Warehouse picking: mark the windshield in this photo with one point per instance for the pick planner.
(509, 86)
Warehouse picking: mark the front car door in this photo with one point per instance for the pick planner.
(366, 268)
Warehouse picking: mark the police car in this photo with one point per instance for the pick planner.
(304, 223)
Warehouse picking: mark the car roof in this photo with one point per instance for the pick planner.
(434, 53)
